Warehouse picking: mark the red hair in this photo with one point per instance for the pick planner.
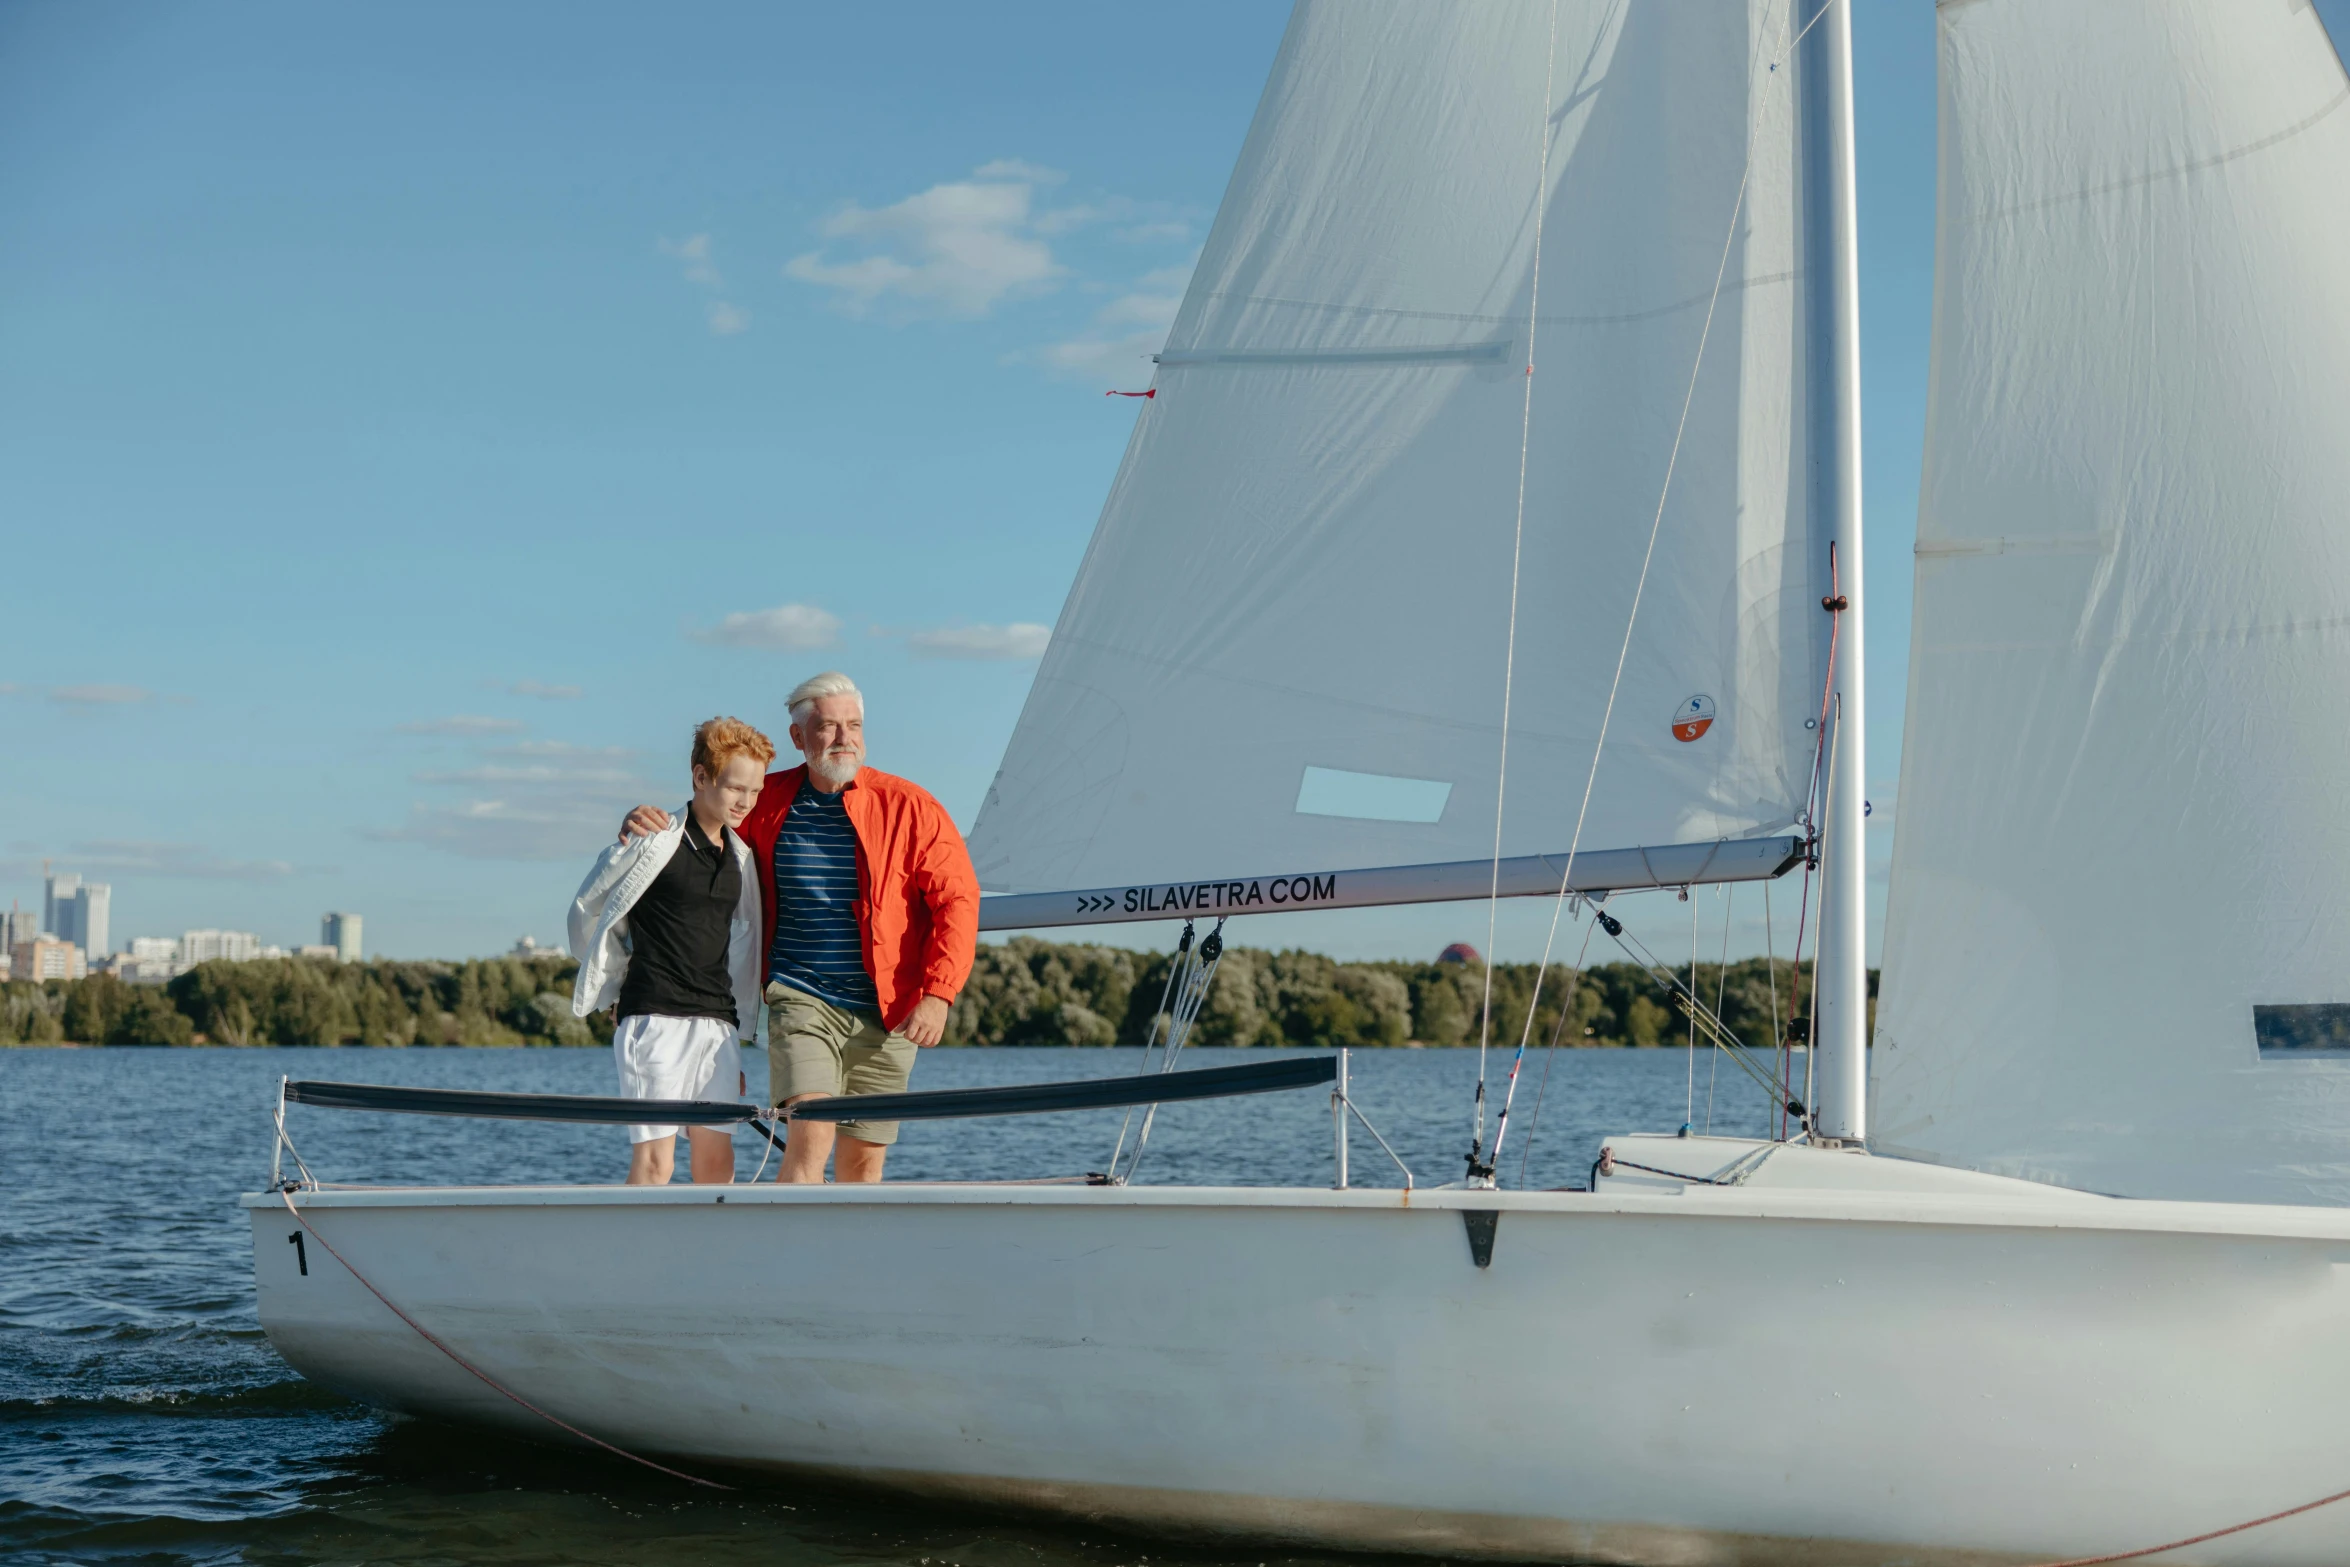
(718, 741)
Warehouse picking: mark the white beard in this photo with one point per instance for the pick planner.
(834, 774)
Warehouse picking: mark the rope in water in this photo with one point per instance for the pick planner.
(428, 1336)
(2198, 1539)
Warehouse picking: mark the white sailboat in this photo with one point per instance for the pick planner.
(2085, 1293)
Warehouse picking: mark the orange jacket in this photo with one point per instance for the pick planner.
(917, 895)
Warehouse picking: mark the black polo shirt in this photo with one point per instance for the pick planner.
(678, 933)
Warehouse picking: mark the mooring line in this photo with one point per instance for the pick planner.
(2198, 1539)
(428, 1336)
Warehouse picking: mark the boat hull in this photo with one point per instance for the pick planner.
(1680, 1374)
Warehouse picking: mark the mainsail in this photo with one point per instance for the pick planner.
(2120, 911)
(1284, 651)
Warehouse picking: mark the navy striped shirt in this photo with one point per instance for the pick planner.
(817, 948)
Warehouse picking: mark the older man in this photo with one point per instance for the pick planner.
(870, 932)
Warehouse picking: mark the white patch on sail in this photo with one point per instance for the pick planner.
(1371, 797)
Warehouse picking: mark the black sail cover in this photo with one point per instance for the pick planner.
(945, 1104)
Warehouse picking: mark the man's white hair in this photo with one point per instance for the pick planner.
(831, 683)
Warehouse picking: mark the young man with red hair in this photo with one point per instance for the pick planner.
(666, 929)
(873, 920)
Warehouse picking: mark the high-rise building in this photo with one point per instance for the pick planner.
(150, 960)
(45, 958)
(205, 946)
(57, 902)
(91, 902)
(76, 910)
(18, 925)
(341, 932)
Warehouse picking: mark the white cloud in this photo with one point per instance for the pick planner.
(1138, 222)
(1018, 169)
(1125, 333)
(137, 857)
(529, 800)
(535, 824)
(1172, 232)
(464, 725)
(787, 626)
(694, 251)
(962, 247)
(101, 695)
(1020, 640)
(958, 249)
(1123, 362)
(492, 775)
(726, 319)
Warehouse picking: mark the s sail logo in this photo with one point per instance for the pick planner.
(1693, 718)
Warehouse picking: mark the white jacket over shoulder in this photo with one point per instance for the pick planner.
(598, 926)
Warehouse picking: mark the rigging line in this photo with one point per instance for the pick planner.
(1794, 1001)
(1689, 1097)
(773, 1143)
(1815, 808)
(1509, 661)
(1811, 1063)
(287, 1142)
(1182, 952)
(1827, 803)
(1771, 978)
(1618, 1162)
(429, 1337)
(1188, 1002)
(1566, 1011)
(1788, 53)
(1616, 682)
(1713, 1067)
(1718, 1033)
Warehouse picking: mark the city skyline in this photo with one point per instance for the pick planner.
(69, 937)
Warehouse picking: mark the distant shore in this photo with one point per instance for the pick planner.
(1021, 992)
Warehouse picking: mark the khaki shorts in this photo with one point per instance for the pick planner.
(814, 1047)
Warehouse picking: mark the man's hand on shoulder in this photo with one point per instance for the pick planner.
(643, 822)
(928, 1025)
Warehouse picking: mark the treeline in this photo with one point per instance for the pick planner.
(1022, 992)
(311, 1001)
(1031, 992)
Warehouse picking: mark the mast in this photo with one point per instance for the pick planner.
(1832, 281)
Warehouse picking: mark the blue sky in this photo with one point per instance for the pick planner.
(413, 419)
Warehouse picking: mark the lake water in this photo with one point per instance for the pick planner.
(145, 1419)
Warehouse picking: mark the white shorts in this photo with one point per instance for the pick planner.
(675, 1058)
